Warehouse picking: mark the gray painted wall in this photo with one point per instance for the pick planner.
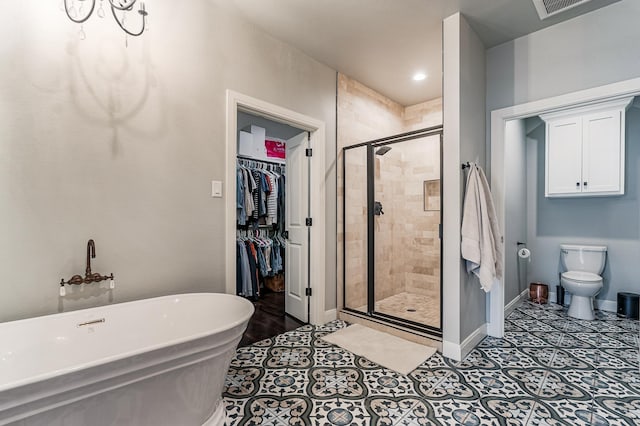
(120, 144)
(515, 168)
(472, 148)
(591, 50)
(464, 308)
(610, 221)
(561, 59)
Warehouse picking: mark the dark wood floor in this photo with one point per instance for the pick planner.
(269, 319)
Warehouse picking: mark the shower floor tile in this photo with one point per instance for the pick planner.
(412, 307)
(530, 377)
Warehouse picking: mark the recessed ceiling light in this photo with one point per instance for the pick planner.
(419, 76)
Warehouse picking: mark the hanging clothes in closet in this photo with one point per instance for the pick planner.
(258, 256)
(260, 194)
(260, 225)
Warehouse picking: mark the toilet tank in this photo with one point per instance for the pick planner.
(583, 258)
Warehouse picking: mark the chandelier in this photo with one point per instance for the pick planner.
(124, 8)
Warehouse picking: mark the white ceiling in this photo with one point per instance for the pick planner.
(382, 43)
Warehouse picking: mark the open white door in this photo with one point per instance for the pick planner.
(296, 278)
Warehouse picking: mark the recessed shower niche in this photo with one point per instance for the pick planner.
(392, 233)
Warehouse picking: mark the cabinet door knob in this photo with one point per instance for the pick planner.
(585, 184)
(577, 183)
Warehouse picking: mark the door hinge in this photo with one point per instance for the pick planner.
(307, 291)
(308, 221)
(440, 230)
(308, 152)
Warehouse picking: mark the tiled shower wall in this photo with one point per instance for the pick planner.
(420, 246)
(401, 264)
(389, 261)
(407, 257)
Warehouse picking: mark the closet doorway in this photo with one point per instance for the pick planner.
(273, 202)
(300, 230)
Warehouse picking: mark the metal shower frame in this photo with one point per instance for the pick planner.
(371, 313)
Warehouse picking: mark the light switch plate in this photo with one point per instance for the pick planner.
(216, 189)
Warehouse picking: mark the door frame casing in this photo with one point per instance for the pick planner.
(499, 118)
(317, 262)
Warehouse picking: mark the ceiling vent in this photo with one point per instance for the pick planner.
(547, 8)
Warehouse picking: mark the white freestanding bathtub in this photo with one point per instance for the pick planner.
(159, 361)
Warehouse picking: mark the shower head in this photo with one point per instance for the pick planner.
(383, 150)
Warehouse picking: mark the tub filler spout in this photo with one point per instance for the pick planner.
(91, 253)
(89, 277)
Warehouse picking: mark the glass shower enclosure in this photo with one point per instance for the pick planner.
(392, 234)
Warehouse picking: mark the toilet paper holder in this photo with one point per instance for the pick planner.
(524, 253)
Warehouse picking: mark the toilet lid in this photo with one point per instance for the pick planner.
(581, 276)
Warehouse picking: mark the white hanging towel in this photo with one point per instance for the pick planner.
(481, 242)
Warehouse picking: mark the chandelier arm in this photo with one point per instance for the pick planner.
(81, 20)
(125, 7)
(113, 11)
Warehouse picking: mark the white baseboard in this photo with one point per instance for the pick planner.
(473, 340)
(330, 315)
(512, 305)
(458, 352)
(607, 305)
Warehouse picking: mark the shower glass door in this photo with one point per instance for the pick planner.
(355, 230)
(392, 230)
(407, 230)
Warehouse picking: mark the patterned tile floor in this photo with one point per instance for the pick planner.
(548, 370)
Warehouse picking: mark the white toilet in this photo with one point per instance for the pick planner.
(582, 279)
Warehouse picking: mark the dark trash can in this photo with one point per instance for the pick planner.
(560, 295)
(628, 305)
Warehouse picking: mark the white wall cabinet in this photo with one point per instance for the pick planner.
(585, 147)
